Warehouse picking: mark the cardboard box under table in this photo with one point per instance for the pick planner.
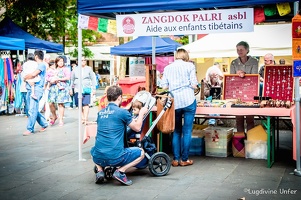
(218, 141)
(197, 145)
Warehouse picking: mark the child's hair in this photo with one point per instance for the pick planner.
(137, 104)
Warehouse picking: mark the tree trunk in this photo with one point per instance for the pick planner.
(122, 67)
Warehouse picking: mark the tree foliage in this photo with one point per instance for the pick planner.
(183, 40)
(51, 20)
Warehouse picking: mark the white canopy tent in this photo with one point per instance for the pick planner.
(274, 38)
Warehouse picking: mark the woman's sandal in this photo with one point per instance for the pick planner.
(186, 163)
(175, 163)
(52, 121)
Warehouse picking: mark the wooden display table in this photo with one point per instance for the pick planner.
(269, 114)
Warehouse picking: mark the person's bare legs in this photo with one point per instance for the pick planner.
(61, 113)
(53, 113)
(85, 114)
(32, 90)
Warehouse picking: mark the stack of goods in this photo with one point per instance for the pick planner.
(218, 141)
(213, 103)
(238, 144)
(256, 143)
(197, 145)
(275, 103)
(240, 104)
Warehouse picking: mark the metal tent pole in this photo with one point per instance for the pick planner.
(79, 65)
(297, 171)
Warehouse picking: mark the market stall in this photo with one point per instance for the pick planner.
(109, 9)
(8, 89)
(9, 29)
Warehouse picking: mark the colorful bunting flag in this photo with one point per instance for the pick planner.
(97, 24)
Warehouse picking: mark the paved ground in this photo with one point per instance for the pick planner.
(46, 166)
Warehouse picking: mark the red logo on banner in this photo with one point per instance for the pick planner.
(128, 25)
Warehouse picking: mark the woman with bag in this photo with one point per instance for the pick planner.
(180, 79)
(88, 87)
(59, 95)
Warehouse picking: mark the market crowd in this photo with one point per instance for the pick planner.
(51, 86)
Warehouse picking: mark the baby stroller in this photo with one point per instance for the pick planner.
(159, 163)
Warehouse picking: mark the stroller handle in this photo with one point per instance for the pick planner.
(166, 92)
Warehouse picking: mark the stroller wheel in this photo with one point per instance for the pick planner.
(95, 169)
(109, 172)
(159, 164)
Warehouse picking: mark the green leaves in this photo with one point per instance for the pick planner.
(50, 20)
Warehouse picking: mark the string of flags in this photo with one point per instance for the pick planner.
(97, 24)
(261, 12)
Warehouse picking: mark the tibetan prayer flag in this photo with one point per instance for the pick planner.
(97, 24)
(93, 23)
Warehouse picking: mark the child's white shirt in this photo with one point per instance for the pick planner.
(29, 67)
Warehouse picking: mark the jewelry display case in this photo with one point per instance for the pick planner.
(244, 89)
(278, 82)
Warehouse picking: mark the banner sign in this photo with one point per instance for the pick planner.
(186, 23)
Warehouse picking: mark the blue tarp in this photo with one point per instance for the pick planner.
(110, 8)
(142, 46)
(7, 43)
(9, 29)
(172, 42)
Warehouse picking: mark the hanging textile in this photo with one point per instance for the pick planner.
(5, 73)
(259, 15)
(18, 95)
(270, 10)
(7, 83)
(283, 8)
(1, 72)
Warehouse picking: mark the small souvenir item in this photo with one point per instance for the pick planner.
(282, 104)
(271, 103)
(263, 104)
(288, 104)
(277, 104)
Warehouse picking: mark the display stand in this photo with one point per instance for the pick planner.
(278, 82)
(244, 89)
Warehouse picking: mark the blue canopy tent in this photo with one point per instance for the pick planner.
(172, 42)
(9, 29)
(7, 43)
(142, 46)
(110, 9)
